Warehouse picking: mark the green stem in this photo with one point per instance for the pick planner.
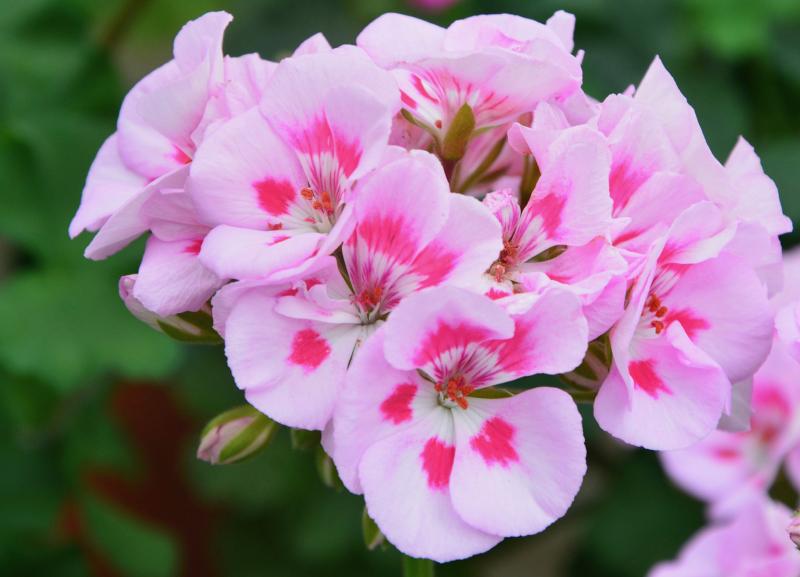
(417, 567)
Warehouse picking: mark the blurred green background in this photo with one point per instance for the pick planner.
(99, 416)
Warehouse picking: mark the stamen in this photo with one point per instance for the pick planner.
(457, 390)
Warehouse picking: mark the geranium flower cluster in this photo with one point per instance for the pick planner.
(387, 231)
(736, 472)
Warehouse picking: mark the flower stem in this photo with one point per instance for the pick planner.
(417, 567)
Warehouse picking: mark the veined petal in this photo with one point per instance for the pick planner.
(668, 394)
(519, 461)
(108, 186)
(290, 369)
(171, 278)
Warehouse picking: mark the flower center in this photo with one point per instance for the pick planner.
(505, 262)
(453, 392)
(657, 313)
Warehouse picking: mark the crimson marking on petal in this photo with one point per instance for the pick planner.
(180, 156)
(446, 337)
(194, 247)
(309, 349)
(645, 378)
(690, 323)
(274, 196)
(437, 462)
(494, 442)
(290, 292)
(407, 100)
(623, 182)
(550, 208)
(388, 235)
(434, 264)
(514, 355)
(496, 294)
(726, 453)
(417, 82)
(397, 406)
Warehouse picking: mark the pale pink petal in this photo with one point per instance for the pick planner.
(171, 278)
(535, 346)
(654, 206)
(736, 418)
(442, 322)
(243, 253)
(108, 186)
(723, 308)
(289, 369)
(393, 38)
(755, 195)
(200, 40)
(698, 234)
(570, 204)
(519, 461)
(761, 251)
(333, 105)
(465, 247)
(787, 325)
(670, 395)
(244, 175)
(754, 544)
(312, 45)
(416, 462)
(369, 409)
(129, 222)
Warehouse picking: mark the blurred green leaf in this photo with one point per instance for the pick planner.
(69, 328)
(133, 547)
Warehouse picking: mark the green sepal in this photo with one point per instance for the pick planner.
(458, 134)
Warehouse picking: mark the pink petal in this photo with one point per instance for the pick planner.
(442, 322)
(129, 222)
(312, 45)
(669, 394)
(756, 196)
(336, 103)
(244, 175)
(724, 310)
(535, 347)
(519, 461)
(570, 204)
(171, 278)
(108, 186)
(289, 369)
(369, 408)
(393, 38)
(465, 247)
(242, 253)
(416, 462)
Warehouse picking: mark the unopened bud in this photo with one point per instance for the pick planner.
(586, 379)
(794, 529)
(191, 327)
(327, 470)
(235, 435)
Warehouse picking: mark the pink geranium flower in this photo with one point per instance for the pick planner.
(501, 66)
(754, 544)
(277, 182)
(136, 183)
(289, 348)
(697, 319)
(726, 469)
(471, 469)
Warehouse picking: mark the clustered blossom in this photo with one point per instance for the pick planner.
(734, 471)
(385, 232)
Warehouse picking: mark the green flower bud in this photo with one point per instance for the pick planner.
(235, 435)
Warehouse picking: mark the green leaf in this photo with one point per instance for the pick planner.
(69, 328)
(135, 548)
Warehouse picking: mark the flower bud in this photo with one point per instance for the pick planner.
(794, 529)
(192, 327)
(586, 379)
(235, 435)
